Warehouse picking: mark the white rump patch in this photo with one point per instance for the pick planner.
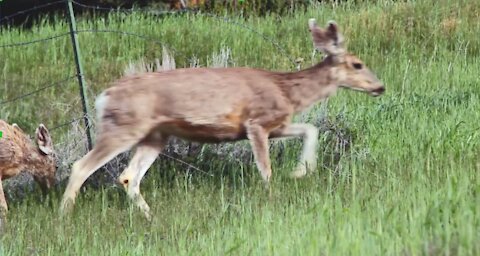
(100, 104)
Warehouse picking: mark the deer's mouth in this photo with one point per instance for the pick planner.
(373, 92)
(378, 91)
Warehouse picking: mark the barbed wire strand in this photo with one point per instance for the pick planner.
(225, 19)
(34, 41)
(128, 10)
(129, 34)
(30, 10)
(170, 48)
(187, 164)
(36, 91)
(65, 124)
(266, 38)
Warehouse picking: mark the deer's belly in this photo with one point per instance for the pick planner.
(204, 133)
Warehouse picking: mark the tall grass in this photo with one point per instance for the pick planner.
(409, 184)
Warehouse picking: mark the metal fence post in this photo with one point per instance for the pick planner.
(81, 80)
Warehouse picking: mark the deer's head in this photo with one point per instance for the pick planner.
(348, 70)
(45, 173)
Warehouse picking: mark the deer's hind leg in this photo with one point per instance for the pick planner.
(145, 154)
(109, 144)
(258, 138)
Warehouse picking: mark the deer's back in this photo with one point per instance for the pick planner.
(12, 150)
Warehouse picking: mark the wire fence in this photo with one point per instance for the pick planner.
(34, 41)
(31, 93)
(68, 5)
(38, 7)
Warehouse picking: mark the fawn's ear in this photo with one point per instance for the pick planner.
(44, 140)
(16, 127)
(329, 40)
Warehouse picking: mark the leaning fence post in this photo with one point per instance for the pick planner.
(81, 80)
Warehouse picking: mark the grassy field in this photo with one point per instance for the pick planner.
(408, 185)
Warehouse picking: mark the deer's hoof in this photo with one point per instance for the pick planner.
(299, 172)
(66, 206)
(148, 216)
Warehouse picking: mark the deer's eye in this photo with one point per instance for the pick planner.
(357, 65)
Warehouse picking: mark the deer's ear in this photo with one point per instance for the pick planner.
(312, 24)
(44, 140)
(332, 31)
(16, 127)
(329, 40)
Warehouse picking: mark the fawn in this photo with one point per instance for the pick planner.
(212, 105)
(18, 153)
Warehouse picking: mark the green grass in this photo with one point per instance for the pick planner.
(408, 186)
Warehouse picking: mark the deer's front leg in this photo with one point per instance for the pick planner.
(3, 204)
(308, 157)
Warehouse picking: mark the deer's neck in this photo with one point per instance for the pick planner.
(35, 160)
(304, 88)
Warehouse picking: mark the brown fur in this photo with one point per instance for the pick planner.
(18, 153)
(217, 105)
(177, 4)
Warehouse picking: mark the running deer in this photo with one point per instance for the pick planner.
(213, 105)
(18, 153)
